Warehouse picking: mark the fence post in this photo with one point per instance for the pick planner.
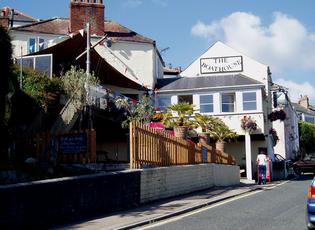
(92, 145)
(132, 145)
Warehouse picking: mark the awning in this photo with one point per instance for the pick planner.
(106, 67)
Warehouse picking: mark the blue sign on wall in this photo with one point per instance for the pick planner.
(73, 143)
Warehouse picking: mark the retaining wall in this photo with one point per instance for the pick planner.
(158, 183)
(51, 202)
(43, 203)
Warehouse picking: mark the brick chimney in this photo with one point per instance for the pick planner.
(4, 17)
(304, 101)
(84, 11)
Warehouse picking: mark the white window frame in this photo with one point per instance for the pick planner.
(249, 101)
(234, 102)
(212, 103)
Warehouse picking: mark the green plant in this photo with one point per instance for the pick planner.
(141, 111)
(75, 83)
(206, 122)
(184, 110)
(307, 136)
(40, 87)
(222, 133)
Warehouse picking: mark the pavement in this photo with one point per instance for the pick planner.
(166, 208)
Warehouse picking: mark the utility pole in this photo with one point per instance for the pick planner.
(21, 68)
(88, 72)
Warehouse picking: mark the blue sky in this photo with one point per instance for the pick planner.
(279, 33)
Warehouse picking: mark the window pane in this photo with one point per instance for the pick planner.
(205, 99)
(227, 107)
(164, 102)
(228, 102)
(185, 98)
(206, 108)
(227, 98)
(41, 44)
(31, 45)
(249, 105)
(249, 96)
(249, 101)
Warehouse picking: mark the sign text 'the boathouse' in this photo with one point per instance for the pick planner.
(221, 64)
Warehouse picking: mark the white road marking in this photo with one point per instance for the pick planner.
(176, 218)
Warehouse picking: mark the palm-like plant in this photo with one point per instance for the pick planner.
(184, 110)
(222, 133)
(207, 123)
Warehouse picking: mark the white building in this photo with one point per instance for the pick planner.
(228, 84)
(286, 142)
(128, 52)
(305, 110)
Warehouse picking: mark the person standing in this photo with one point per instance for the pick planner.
(262, 166)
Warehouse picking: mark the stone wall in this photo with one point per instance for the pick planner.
(158, 183)
(41, 204)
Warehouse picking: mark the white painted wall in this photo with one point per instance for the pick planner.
(233, 120)
(288, 134)
(21, 39)
(141, 58)
(158, 183)
(251, 68)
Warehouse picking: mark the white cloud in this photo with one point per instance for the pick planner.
(132, 3)
(296, 89)
(285, 43)
(203, 30)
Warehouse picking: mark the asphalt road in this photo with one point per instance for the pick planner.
(281, 207)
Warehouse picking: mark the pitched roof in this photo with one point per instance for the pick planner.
(59, 26)
(49, 26)
(195, 83)
(300, 108)
(18, 15)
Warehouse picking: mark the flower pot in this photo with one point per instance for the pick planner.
(180, 131)
(220, 145)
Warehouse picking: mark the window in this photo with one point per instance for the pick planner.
(163, 102)
(249, 101)
(35, 45)
(206, 103)
(41, 44)
(31, 45)
(228, 102)
(185, 98)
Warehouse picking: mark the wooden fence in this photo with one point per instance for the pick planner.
(72, 147)
(154, 148)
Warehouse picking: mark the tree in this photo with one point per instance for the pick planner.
(74, 84)
(5, 69)
(307, 136)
